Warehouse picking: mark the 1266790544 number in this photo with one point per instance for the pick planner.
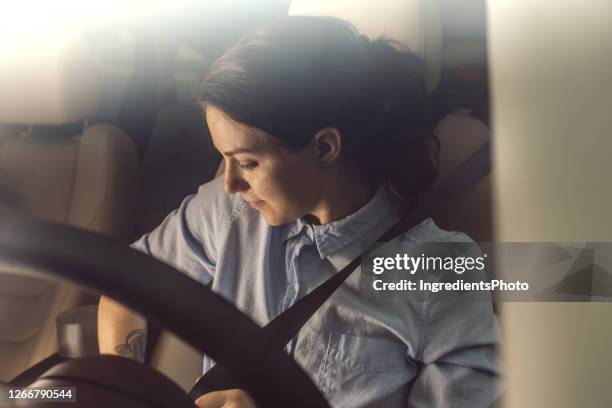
(42, 394)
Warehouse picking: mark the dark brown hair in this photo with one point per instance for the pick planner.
(300, 74)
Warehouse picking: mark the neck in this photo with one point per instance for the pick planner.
(344, 195)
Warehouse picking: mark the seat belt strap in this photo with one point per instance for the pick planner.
(285, 326)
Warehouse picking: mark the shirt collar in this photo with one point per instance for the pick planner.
(334, 236)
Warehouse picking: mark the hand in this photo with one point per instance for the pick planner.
(225, 399)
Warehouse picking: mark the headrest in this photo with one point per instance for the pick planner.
(46, 77)
(414, 22)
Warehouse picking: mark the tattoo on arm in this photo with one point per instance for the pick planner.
(134, 345)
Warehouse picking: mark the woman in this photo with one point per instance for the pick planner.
(322, 136)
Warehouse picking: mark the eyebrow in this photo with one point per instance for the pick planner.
(242, 150)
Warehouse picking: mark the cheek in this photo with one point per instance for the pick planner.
(289, 186)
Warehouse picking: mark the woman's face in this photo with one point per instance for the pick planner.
(281, 184)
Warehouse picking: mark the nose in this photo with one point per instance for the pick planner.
(234, 183)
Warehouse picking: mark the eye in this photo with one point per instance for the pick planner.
(248, 165)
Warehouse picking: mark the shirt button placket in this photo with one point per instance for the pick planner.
(295, 276)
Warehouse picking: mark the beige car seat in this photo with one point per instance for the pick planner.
(86, 177)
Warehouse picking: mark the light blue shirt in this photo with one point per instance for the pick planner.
(360, 348)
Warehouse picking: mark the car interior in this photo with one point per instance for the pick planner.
(119, 173)
(101, 132)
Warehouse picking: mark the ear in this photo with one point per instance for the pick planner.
(327, 144)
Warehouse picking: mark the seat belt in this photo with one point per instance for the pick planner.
(285, 326)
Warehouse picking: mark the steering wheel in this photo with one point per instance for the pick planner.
(192, 311)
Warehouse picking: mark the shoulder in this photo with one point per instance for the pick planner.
(429, 232)
(192, 237)
(202, 217)
(213, 196)
(213, 202)
(430, 238)
(221, 210)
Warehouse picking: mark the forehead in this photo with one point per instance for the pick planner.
(228, 134)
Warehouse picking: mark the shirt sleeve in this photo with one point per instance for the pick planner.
(459, 365)
(188, 237)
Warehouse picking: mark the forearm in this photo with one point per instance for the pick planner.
(120, 330)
